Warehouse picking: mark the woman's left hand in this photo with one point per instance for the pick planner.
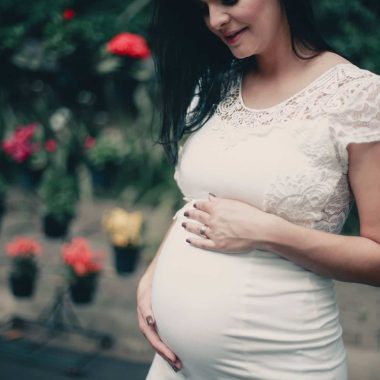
(228, 225)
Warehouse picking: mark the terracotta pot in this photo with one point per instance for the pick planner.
(126, 258)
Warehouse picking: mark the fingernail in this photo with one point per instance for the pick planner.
(149, 320)
(195, 205)
(188, 241)
(213, 195)
(183, 225)
(186, 213)
(173, 366)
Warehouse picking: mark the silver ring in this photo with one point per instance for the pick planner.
(202, 231)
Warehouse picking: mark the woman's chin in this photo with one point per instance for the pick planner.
(240, 54)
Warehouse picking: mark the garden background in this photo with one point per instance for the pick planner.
(87, 109)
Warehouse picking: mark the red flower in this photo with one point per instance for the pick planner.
(51, 145)
(69, 14)
(81, 258)
(23, 246)
(128, 44)
(89, 142)
(20, 145)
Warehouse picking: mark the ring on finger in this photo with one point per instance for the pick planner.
(202, 231)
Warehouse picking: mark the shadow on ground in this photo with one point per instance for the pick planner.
(21, 360)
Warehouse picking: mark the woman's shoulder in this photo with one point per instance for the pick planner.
(348, 71)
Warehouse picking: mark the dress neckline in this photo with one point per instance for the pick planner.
(304, 89)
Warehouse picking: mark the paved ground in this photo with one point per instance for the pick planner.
(114, 309)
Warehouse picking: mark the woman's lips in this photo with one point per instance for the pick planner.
(235, 37)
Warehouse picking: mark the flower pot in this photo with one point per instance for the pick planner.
(82, 289)
(126, 258)
(22, 286)
(54, 227)
(2, 212)
(103, 180)
(29, 179)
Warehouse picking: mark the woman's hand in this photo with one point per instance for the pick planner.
(147, 323)
(228, 225)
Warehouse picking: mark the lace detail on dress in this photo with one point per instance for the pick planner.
(322, 198)
(306, 182)
(235, 122)
(355, 114)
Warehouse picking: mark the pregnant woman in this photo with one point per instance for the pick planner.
(283, 135)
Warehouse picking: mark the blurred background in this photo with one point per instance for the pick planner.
(78, 160)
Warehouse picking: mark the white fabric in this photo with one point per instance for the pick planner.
(257, 315)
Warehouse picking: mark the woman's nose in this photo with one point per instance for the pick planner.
(217, 17)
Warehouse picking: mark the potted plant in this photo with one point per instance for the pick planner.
(58, 192)
(3, 192)
(83, 266)
(124, 230)
(25, 147)
(24, 269)
(104, 155)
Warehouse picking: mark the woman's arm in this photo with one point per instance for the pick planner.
(345, 258)
(234, 226)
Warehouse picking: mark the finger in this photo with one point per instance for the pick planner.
(198, 215)
(196, 228)
(154, 339)
(205, 206)
(203, 243)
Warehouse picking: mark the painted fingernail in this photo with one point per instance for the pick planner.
(186, 213)
(149, 320)
(195, 205)
(174, 367)
(183, 225)
(213, 195)
(188, 241)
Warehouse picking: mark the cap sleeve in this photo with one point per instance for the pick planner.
(358, 117)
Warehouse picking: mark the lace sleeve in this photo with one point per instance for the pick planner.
(358, 114)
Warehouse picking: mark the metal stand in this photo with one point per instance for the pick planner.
(59, 317)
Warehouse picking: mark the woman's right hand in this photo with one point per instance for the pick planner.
(147, 323)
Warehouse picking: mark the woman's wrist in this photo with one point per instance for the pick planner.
(267, 239)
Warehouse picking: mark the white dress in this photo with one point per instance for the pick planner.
(257, 315)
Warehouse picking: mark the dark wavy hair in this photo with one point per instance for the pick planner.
(189, 58)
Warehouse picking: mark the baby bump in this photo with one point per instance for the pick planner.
(230, 306)
(193, 293)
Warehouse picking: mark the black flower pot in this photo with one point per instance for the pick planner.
(126, 258)
(82, 289)
(29, 179)
(103, 180)
(2, 212)
(54, 227)
(22, 286)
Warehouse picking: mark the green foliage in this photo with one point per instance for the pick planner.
(58, 193)
(109, 148)
(3, 190)
(352, 27)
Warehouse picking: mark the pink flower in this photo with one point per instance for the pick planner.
(51, 145)
(81, 258)
(89, 142)
(69, 14)
(129, 44)
(23, 246)
(20, 145)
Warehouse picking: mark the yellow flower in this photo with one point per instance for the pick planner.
(123, 228)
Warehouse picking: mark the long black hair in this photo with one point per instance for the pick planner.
(189, 58)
